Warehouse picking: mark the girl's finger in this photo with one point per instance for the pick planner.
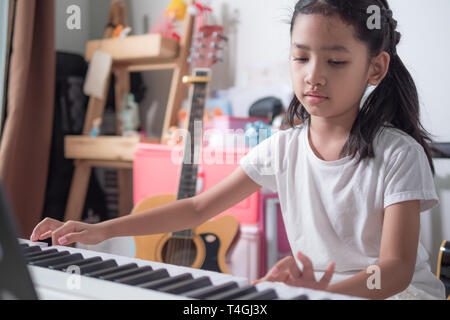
(45, 235)
(281, 265)
(308, 271)
(71, 238)
(278, 277)
(48, 224)
(68, 227)
(288, 264)
(294, 270)
(326, 278)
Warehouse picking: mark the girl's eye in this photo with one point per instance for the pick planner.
(337, 63)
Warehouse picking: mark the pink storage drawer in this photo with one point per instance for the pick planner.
(283, 247)
(157, 168)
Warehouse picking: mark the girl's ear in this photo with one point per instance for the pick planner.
(378, 68)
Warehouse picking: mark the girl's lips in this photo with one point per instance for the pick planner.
(315, 100)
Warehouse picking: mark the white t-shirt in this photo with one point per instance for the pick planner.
(333, 210)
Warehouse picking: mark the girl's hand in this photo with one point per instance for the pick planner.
(287, 271)
(68, 232)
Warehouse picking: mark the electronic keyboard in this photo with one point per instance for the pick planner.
(61, 273)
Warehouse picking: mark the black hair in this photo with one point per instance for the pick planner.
(394, 102)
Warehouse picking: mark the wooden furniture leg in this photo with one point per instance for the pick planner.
(82, 172)
(78, 191)
(177, 88)
(124, 176)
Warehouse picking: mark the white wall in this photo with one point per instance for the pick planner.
(259, 39)
(424, 49)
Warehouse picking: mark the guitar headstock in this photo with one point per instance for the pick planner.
(206, 46)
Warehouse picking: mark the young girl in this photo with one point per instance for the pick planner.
(352, 178)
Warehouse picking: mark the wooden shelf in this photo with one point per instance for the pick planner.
(131, 54)
(139, 49)
(105, 148)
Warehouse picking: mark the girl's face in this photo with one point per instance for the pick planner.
(325, 57)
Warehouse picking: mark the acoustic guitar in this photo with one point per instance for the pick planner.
(205, 246)
(443, 266)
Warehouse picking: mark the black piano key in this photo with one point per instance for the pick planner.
(144, 277)
(47, 256)
(31, 249)
(202, 293)
(300, 297)
(38, 253)
(104, 272)
(23, 245)
(267, 294)
(124, 273)
(187, 285)
(234, 293)
(54, 261)
(156, 284)
(99, 265)
(79, 263)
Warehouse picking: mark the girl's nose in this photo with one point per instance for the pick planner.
(314, 76)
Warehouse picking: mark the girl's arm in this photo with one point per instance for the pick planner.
(178, 215)
(397, 260)
(186, 213)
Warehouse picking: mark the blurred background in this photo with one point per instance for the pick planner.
(254, 67)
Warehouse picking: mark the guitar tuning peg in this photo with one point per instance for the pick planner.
(214, 57)
(197, 46)
(217, 35)
(194, 55)
(215, 46)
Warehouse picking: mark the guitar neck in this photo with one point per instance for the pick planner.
(193, 138)
(204, 55)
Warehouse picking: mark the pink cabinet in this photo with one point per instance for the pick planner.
(157, 168)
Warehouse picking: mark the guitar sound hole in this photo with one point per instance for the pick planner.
(181, 252)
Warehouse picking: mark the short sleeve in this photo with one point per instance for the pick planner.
(260, 163)
(408, 176)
